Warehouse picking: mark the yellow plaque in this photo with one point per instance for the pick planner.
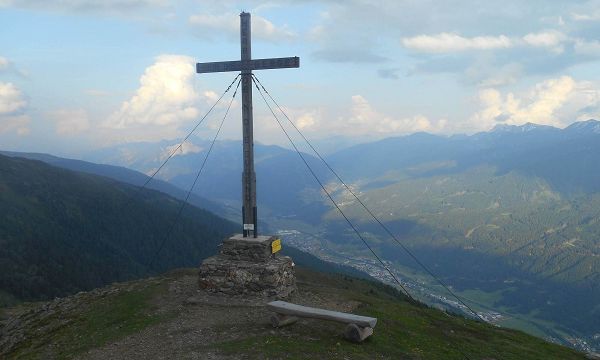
(276, 246)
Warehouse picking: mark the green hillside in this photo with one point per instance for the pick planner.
(511, 242)
(127, 176)
(63, 231)
(503, 215)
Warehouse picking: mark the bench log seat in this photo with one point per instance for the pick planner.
(359, 327)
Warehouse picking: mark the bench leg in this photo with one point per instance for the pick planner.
(279, 320)
(356, 333)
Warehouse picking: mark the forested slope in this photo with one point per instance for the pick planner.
(64, 231)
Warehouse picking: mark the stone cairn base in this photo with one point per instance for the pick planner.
(247, 266)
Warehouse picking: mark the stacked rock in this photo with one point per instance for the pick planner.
(248, 266)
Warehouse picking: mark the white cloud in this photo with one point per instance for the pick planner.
(11, 99)
(165, 99)
(552, 40)
(364, 119)
(12, 108)
(449, 42)
(544, 39)
(594, 16)
(306, 121)
(310, 120)
(556, 102)
(163, 105)
(586, 104)
(186, 148)
(214, 26)
(211, 95)
(70, 122)
(360, 121)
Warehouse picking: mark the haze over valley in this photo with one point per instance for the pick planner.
(437, 164)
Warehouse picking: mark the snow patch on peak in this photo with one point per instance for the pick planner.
(520, 128)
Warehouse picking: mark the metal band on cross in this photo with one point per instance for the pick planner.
(246, 65)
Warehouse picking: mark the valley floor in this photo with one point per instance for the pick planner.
(167, 317)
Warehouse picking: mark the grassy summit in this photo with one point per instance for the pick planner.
(168, 317)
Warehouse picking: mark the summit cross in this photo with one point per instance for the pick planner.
(246, 64)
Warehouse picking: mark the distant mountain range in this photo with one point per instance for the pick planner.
(220, 181)
(510, 216)
(535, 150)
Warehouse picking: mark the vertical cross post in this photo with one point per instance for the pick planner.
(245, 65)
(248, 176)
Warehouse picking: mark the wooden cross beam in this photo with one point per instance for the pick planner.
(246, 65)
(254, 64)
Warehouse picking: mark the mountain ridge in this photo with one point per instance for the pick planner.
(121, 174)
(168, 317)
(67, 231)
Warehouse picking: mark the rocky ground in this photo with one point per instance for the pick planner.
(168, 317)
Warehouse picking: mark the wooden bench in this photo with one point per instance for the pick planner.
(358, 329)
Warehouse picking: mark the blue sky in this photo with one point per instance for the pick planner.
(78, 75)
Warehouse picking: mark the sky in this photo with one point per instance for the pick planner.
(81, 75)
